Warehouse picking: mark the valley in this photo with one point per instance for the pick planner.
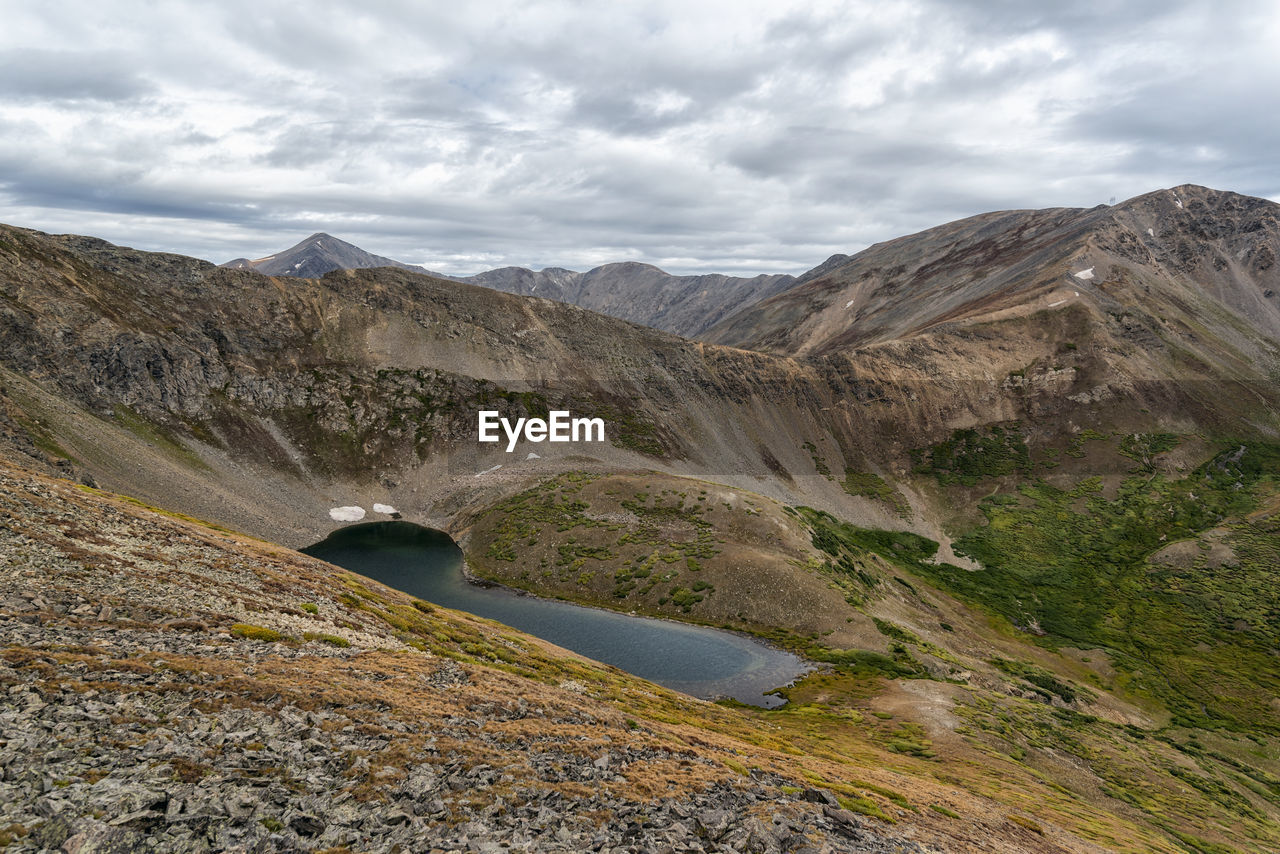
(1021, 521)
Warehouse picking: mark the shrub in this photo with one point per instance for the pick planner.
(261, 633)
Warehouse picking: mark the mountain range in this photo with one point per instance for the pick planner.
(1011, 484)
(641, 293)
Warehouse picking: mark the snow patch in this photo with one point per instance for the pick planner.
(346, 514)
(1084, 275)
(1151, 232)
(1177, 201)
(533, 456)
(1056, 304)
(849, 303)
(384, 509)
(488, 471)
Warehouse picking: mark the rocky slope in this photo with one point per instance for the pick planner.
(170, 687)
(1181, 264)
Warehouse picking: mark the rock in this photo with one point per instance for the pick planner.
(142, 818)
(820, 796)
(712, 824)
(307, 825)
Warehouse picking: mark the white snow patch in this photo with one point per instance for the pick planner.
(1084, 274)
(1151, 232)
(1056, 304)
(385, 509)
(296, 266)
(1077, 293)
(533, 456)
(346, 514)
(849, 303)
(1177, 201)
(488, 471)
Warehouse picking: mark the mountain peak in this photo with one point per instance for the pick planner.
(316, 255)
(1184, 252)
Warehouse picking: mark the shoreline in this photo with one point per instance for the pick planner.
(810, 666)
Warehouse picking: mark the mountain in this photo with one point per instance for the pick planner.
(318, 254)
(641, 293)
(1169, 261)
(1028, 539)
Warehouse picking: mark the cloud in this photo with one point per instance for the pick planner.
(738, 137)
(31, 74)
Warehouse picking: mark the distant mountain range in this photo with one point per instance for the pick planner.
(640, 293)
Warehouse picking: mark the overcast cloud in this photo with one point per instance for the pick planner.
(738, 137)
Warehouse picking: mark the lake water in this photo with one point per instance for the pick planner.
(703, 662)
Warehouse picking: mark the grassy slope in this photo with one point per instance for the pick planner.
(1188, 631)
(1131, 684)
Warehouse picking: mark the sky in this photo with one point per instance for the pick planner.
(739, 137)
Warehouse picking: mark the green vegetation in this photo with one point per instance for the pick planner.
(1170, 779)
(1042, 681)
(310, 607)
(1023, 821)
(1071, 566)
(869, 485)
(1076, 447)
(259, 633)
(637, 556)
(972, 455)
(332, 640)
(1144, 447)
(909, 738)
(157, 437)
(819, 464)
(627, 429)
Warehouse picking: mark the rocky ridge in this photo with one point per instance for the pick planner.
(1173, 263)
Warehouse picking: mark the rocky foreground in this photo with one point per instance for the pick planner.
(168, 687)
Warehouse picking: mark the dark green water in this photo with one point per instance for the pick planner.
(703, 662)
